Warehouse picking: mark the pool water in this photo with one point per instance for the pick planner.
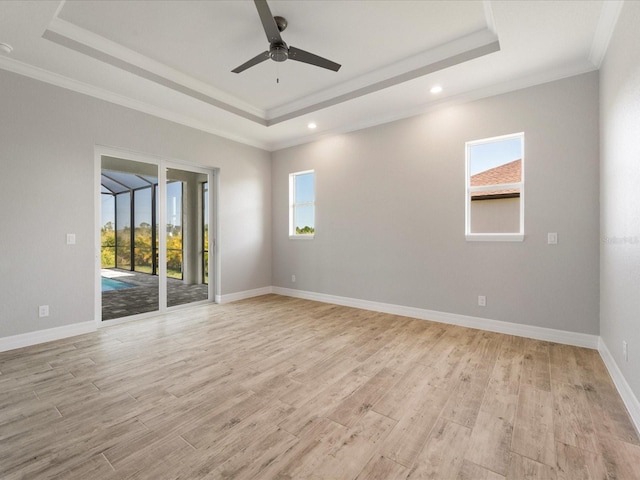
(109, 284)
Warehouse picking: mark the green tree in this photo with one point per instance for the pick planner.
(108, 242)
(306, 230)
(143, 253)
(174, 251)
(123, 254)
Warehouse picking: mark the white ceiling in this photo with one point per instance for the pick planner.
(174, 59)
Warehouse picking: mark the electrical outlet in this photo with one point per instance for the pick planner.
(43, 311)
(482, 300)
(293, 278)
(625, 351)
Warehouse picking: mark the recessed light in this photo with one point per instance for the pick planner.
(436, 89)
(6, 48)
(312, 126)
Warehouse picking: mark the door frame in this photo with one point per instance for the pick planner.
(162, 164)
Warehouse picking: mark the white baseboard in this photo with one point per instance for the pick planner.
(58, 333)
(540, 333)
(529, 331)
(628, 397)
(232, 297)
(48, 335)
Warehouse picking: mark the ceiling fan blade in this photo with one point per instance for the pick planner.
(254, 61)
(306, 57)
(268, 23)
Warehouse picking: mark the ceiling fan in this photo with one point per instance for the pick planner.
(278, 50)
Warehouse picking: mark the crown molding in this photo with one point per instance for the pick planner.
(92, 40)
(565, 71)
(604, 31)
(46, 76)
(67, 83)
(104, 50)
(488, 16)
(452, 53)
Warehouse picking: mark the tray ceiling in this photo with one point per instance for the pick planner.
(174, 59)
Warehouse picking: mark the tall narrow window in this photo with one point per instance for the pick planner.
(302, 204)
(495, 188)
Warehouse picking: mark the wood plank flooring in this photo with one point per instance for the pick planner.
(282, 388)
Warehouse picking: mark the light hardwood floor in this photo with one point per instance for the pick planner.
(281, 388)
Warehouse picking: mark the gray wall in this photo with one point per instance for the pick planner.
(620, 194)
(47, 139)
(390, 212)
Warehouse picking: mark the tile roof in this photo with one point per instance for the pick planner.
(508, 173)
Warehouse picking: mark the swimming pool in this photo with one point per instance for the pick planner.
(109, 284)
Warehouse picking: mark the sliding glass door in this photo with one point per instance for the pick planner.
(185, 227)
(154, 236)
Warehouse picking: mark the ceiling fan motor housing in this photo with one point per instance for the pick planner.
(279, 52)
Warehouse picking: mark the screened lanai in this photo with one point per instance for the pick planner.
(130, 239)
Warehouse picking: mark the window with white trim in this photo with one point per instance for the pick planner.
(495, 188)
(302, 204)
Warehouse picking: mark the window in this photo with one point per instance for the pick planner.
(495, 188)
(302, 204)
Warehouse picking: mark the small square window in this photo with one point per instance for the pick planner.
(302, 204)
(495, 188)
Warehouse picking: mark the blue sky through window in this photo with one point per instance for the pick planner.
(123, 210)
(305, 192)
(304, 188)
(143, 207)
(485, 156)
(142, 212)
(108, 209)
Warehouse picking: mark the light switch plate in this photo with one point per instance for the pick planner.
(552, 238)
(71, 238)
